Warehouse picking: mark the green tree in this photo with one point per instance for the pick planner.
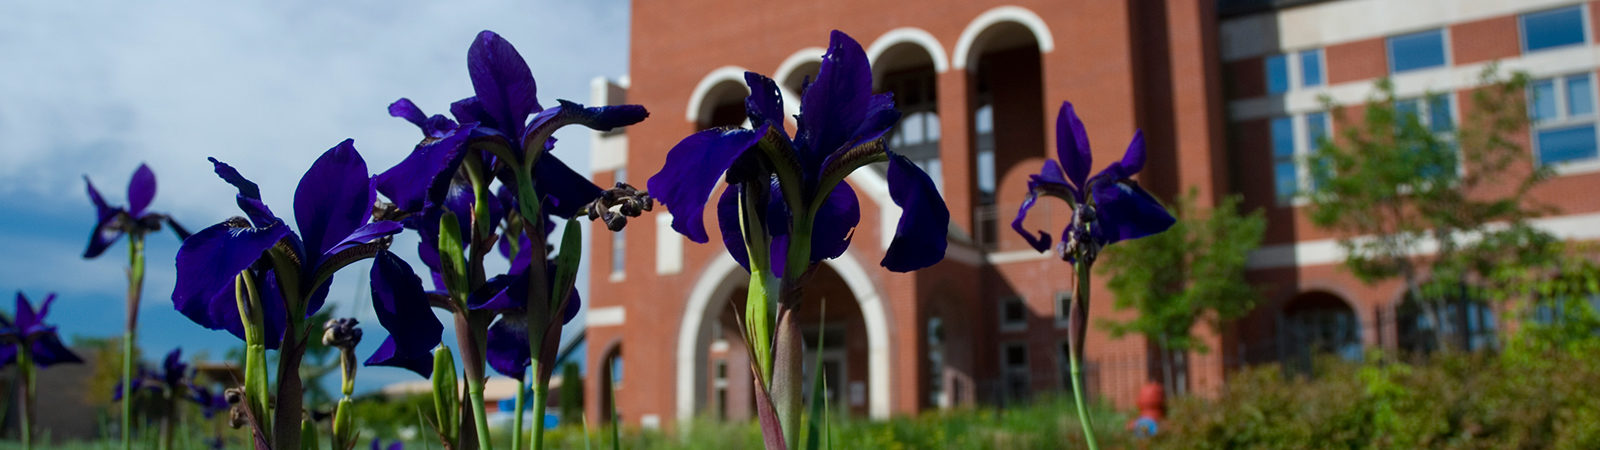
(1420, 199)
(1192, 272)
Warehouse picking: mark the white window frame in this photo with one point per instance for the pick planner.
(1564, 120)
(1304, 149)
(1063, 304)
(1444, 37)
(1295, 71)
(1583, 21)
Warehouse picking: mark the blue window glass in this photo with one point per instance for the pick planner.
(1311, 68)
(1558, 145)
(1284, 175)
(1543, 104)
(1439, 118)
(1316, 128)
(1551, 29)
(1580, 96)
(1282, 137)
(1416, 51)
(1277, 74)
(1285, 181)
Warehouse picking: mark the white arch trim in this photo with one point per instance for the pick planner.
(711, 80)
(998, 15)
(791, 99)
(718, 282)
(914, 36)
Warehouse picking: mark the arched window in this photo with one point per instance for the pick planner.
(1316, 323)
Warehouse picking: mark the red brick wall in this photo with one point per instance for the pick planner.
(1358, 60)
(1485, 40)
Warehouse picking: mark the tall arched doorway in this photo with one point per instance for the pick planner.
(712, 364)
(1008, 116)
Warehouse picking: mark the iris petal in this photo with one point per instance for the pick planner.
(1072, 145)
(402, 308)
(389, 354)
(48, 350)
(1048, 181)
(835, 223)
(432, 161)
(209, 260)
(834, 106)
(403, 108)
(249, 197)
(920, 237)
(692, 170)
(765, 103)
(728, 222)
(569, 190)
(502, 82)
(508, 351)
(367, 233)
(1127, 211)
(105, 230)
(141, 189)
(1131, 163)
(600, 118)
(333, 199)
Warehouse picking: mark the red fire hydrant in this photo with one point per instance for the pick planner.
(1152, 409)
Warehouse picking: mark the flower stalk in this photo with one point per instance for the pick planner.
(135, 291)
(1078, 317)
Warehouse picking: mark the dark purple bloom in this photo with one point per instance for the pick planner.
(332, 206)
(111, 222)
(841, 127)
(402, 307)
(26, 331)
(1107, 207)
(378, 445)
(211, 402)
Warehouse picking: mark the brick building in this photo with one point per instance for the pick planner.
(1226, 93)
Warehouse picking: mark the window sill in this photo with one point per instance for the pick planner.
(617, 277)
(1576, 167)
(1013, 327)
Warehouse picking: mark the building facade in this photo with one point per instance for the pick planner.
(1226, 93)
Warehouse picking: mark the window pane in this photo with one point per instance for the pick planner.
(1316, 129)
(1405, 109)
(1439, 118)
(983, 119)
(1016, 356)
(1549, 29)
(1416, 51)
(1580, 96)
(1558, 145)
(1543, 104)
(911, 128)
(1282, 137)
(1277, 74)
(1311, 68)
(932, 131)
(1285, 179)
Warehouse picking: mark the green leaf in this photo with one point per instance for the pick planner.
(446, 393)
(451, 261)
(567, 264)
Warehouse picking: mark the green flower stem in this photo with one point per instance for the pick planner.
(516, 419)
(247, 297)
(25, 366)
(1079, 317)
(541, 396)
(479, 419)
(135, 290)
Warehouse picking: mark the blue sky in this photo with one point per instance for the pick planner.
(96, 87)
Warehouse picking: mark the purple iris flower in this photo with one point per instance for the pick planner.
(111, 222)
(507, 343)
(211, 402)
(505, 127)
(1107, 207)
(797, 185)
(174, 376)
(333, 207)
(378, 445)
(26, 331)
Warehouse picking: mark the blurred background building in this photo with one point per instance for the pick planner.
(1227, 94)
